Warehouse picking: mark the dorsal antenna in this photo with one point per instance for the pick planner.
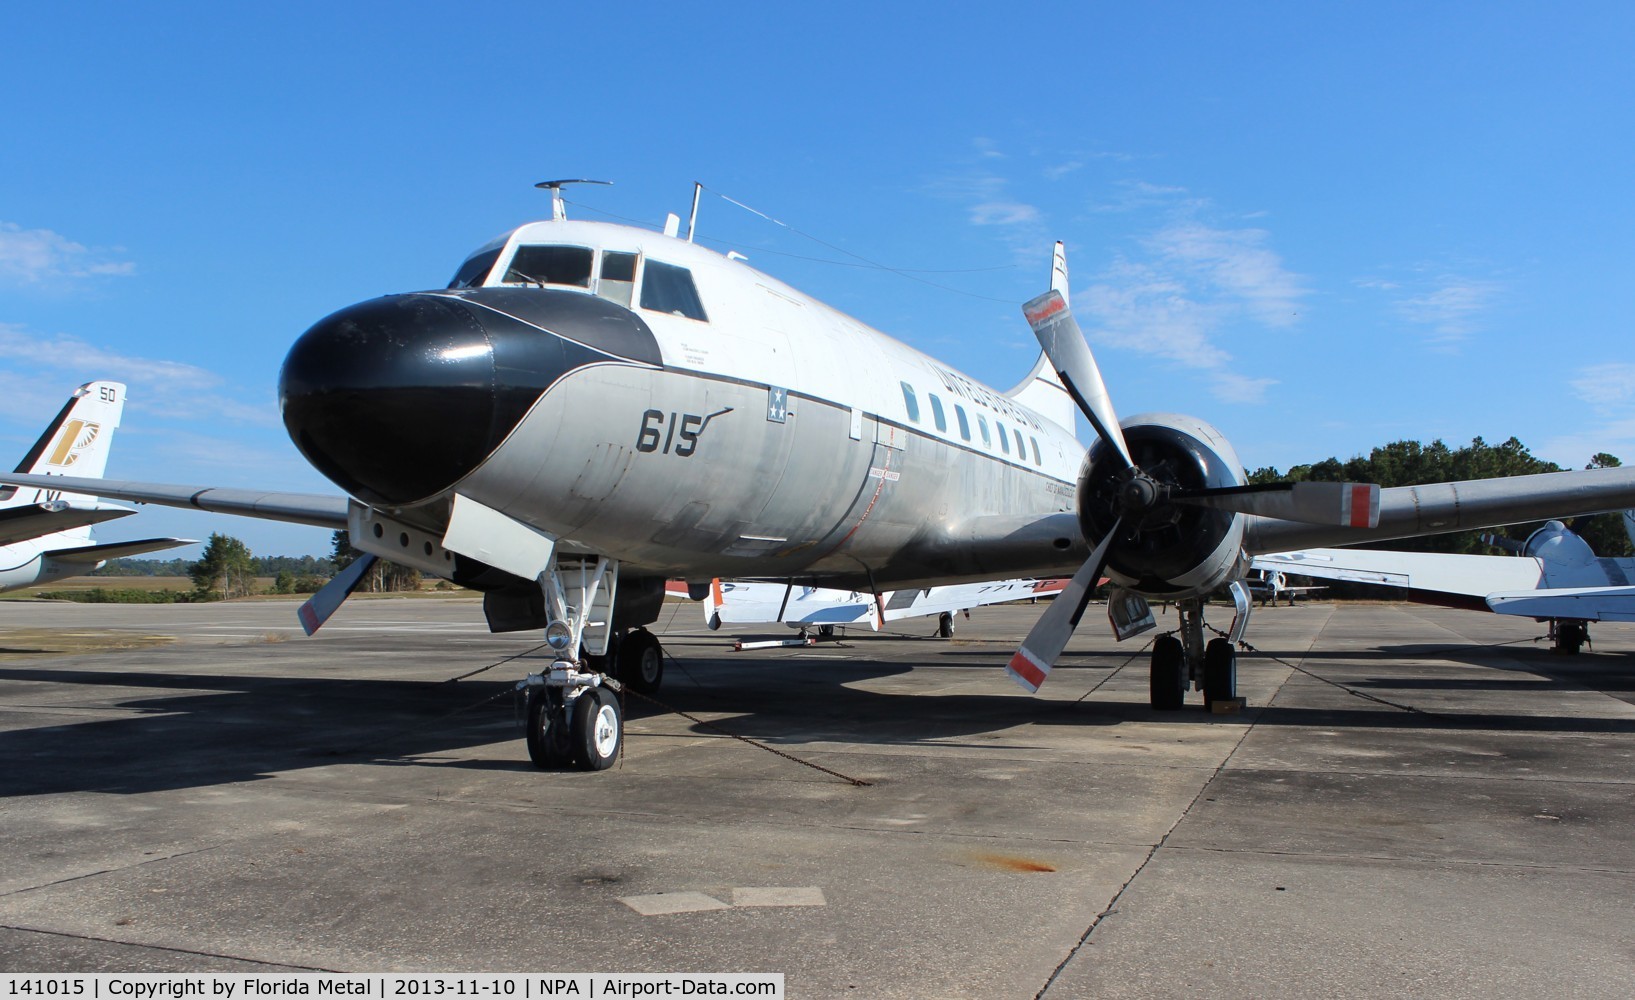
(558, 210)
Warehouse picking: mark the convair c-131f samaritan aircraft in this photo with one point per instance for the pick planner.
(589, 409)
(45, 531)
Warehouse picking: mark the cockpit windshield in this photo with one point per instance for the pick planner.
(475, 270)
(548, 265)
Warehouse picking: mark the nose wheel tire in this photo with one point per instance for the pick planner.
(598, 730)
(1220, 672)
(641, 661)
(1168, 674)
(549, 746)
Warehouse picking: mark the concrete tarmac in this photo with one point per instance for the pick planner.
(1416, 801)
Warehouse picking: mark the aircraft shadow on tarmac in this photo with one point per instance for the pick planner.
(198, 730)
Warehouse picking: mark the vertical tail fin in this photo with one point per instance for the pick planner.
(76, 443)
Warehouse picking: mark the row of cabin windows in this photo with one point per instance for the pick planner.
(666, 288)
(939, 418)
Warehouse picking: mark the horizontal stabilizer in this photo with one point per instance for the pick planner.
(22, 523)
(115, 550)
(1595, 604)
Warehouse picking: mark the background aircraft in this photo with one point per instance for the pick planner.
(737, 602)
(590, 409)
(1267, 585)
(45, 532)
(1553, 576)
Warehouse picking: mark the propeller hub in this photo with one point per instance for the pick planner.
(1139, 494)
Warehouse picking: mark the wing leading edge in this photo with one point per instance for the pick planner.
(298, 508)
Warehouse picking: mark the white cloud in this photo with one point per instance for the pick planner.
(1190, 283)
(71, 353)
(989, 203)
(1231, 388)
(1606, 385)
(1236, 263)
(1003, 213)
(1450, 305)
(160, 388)
(40, 256)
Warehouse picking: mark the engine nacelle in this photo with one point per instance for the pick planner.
(1558, 546)
(1173, 550)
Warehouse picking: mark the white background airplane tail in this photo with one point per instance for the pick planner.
(75, 444)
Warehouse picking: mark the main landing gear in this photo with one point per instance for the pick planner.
(1568, 636)
(1180, 664)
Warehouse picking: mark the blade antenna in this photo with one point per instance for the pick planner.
(559, 210)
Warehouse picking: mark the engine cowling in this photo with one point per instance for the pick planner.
(1165, 550)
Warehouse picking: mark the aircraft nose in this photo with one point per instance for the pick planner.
(396, 399)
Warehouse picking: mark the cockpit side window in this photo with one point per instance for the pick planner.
(618, 277)
(546, 265)
(475, 270)
(667, 288)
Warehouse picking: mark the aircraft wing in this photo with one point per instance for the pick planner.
(961, 596)
(759, 603)
(1596, 604)
(299, 508)
(1443, 574)
(22, 523)
(91, 554)
(1410, 511)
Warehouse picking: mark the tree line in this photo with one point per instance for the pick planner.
(227, 569)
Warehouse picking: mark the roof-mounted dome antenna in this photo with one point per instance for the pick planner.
(558, 212)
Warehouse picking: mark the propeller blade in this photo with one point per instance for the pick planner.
(1069, 354)
(1031, 664)
(1353, 505)
(333, 594)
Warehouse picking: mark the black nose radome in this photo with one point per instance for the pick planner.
(399, 398)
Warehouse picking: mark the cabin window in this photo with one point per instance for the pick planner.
(964, 424)
(982, 426)
(667, 288)
(911, 402)
(475, 270)
(540, 265)
(1004, 438)
(1021, 449)
(618, 279)
(937, 416)
(1036, 459)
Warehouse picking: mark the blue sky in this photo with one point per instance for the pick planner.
(1321, 227)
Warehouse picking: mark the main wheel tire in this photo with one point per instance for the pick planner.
(826, 631)
(1220, 672)
(547, 736)
(1569, 637)
(945, 625)
(598, 729)
(1168, 674)
(641, 662)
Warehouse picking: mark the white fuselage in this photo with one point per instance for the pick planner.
(779, 438)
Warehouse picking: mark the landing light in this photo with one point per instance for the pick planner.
(558, 635)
